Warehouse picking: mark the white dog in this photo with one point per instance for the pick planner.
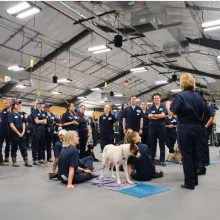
(117, 155)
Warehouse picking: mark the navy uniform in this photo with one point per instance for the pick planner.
(49, 131)
(132, 116)
(67, 117)
(171, 134)
(189, 108)
(144, 169)
(4, 135)
(17, 119)
(56, 130)
(120, 126)
(145, 134)
(203, 148)
(106, 124)
(94, 133)
(157, 131)
(69, 157)
(38, 135)
(83, 134)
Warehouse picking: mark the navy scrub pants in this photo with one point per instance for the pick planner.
(37, 143)
(157, 132)
(201, 151)
(170, 141)
(20, 142)
(106, 138)
(86, 162)
(47, 147)
(94, 138)
(83, 138)
(4, 136)
(206, 143)
(187, 138)
(145, 136)
(120, 132)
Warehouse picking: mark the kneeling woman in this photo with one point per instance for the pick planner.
(68, 170)
(143, 168)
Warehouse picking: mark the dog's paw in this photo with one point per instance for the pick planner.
(113, 177)
(119, 182)
(130, 182)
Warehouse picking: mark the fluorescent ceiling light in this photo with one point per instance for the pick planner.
(15, 68)
(100, 47)
(119, 95)
(161, 82)
(138, 100)
(176, 90)
(95, 89)
(218, 57)
(81, 97)
(149, 103)
(101, 101)
(139, 69)
(17, 8)
(117, 104)
(211, 28)
(102, 51)
(56, 93)
(29, 12)
(64, 80)
(210, 23)
(21, 86)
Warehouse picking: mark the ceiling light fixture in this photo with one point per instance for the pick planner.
(149, 103)
(95, 89)
(119, 95)
(211, 28)
(161, 82)
(218, 57)
(56, 93)
(82, 98)
(101, 101)
(117, 104)
(102, 51)
(138, 100)
(18, 8)
(210, 23)
(15, 68)
(101, 47)
(29, 12)
(176, 90)
(21, 86)
(139, 69)
(64, 80)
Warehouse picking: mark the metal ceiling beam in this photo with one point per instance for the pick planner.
(60, 50)
(183, 69)
(214, 44)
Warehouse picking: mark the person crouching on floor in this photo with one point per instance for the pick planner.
(143, 169)
(69, 171)
(57, 149)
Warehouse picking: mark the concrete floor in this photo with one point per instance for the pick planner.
(27, 193)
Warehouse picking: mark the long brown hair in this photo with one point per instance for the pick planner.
(130, 137)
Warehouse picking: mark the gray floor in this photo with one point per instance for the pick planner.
(27, 193)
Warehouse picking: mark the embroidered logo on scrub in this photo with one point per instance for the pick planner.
(161, 109)
(109, 118)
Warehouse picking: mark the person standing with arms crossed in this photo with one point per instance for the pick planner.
(156, 114)
(4, 133)
(133, 117)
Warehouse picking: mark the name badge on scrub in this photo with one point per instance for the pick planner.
(16, 116)
(152, 112)
(161, 109)
(104, 118)
(110, 118)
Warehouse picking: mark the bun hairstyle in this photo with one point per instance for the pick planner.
(126, 139)
(130, 136)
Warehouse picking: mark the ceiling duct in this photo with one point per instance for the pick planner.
(181, 44)
(214, 88)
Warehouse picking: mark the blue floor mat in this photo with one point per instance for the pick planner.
(168, 162)
(214, 162)
(142, 190)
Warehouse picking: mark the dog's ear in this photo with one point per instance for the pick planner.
(133, 146)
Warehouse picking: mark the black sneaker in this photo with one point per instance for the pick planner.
(6, 160)
(201, 172)
(52, 176)
(187, 187)
(27, 164)
(15, 165)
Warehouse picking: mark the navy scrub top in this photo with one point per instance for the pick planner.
(57, 148)
(17, 119)
(209, 112)
(146, 120)
(51, 119)
(67, 117)
(83, 124)
(189, 107)
(171, 121)
(40, 115)
(106, 123)
(156, 111)
(4, 121)
(132, 117)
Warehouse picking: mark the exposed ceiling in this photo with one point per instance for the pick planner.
(60, 48)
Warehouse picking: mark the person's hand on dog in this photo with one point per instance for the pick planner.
(70, 187)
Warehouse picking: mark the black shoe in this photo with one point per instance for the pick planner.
(157, 162)
(207, 164)
(101, 151)
(6, 160)
(27, 164)
(50, 160)
(201, 172)
(187, 187)
(96, 160)
(15, 165)
(52, 176)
